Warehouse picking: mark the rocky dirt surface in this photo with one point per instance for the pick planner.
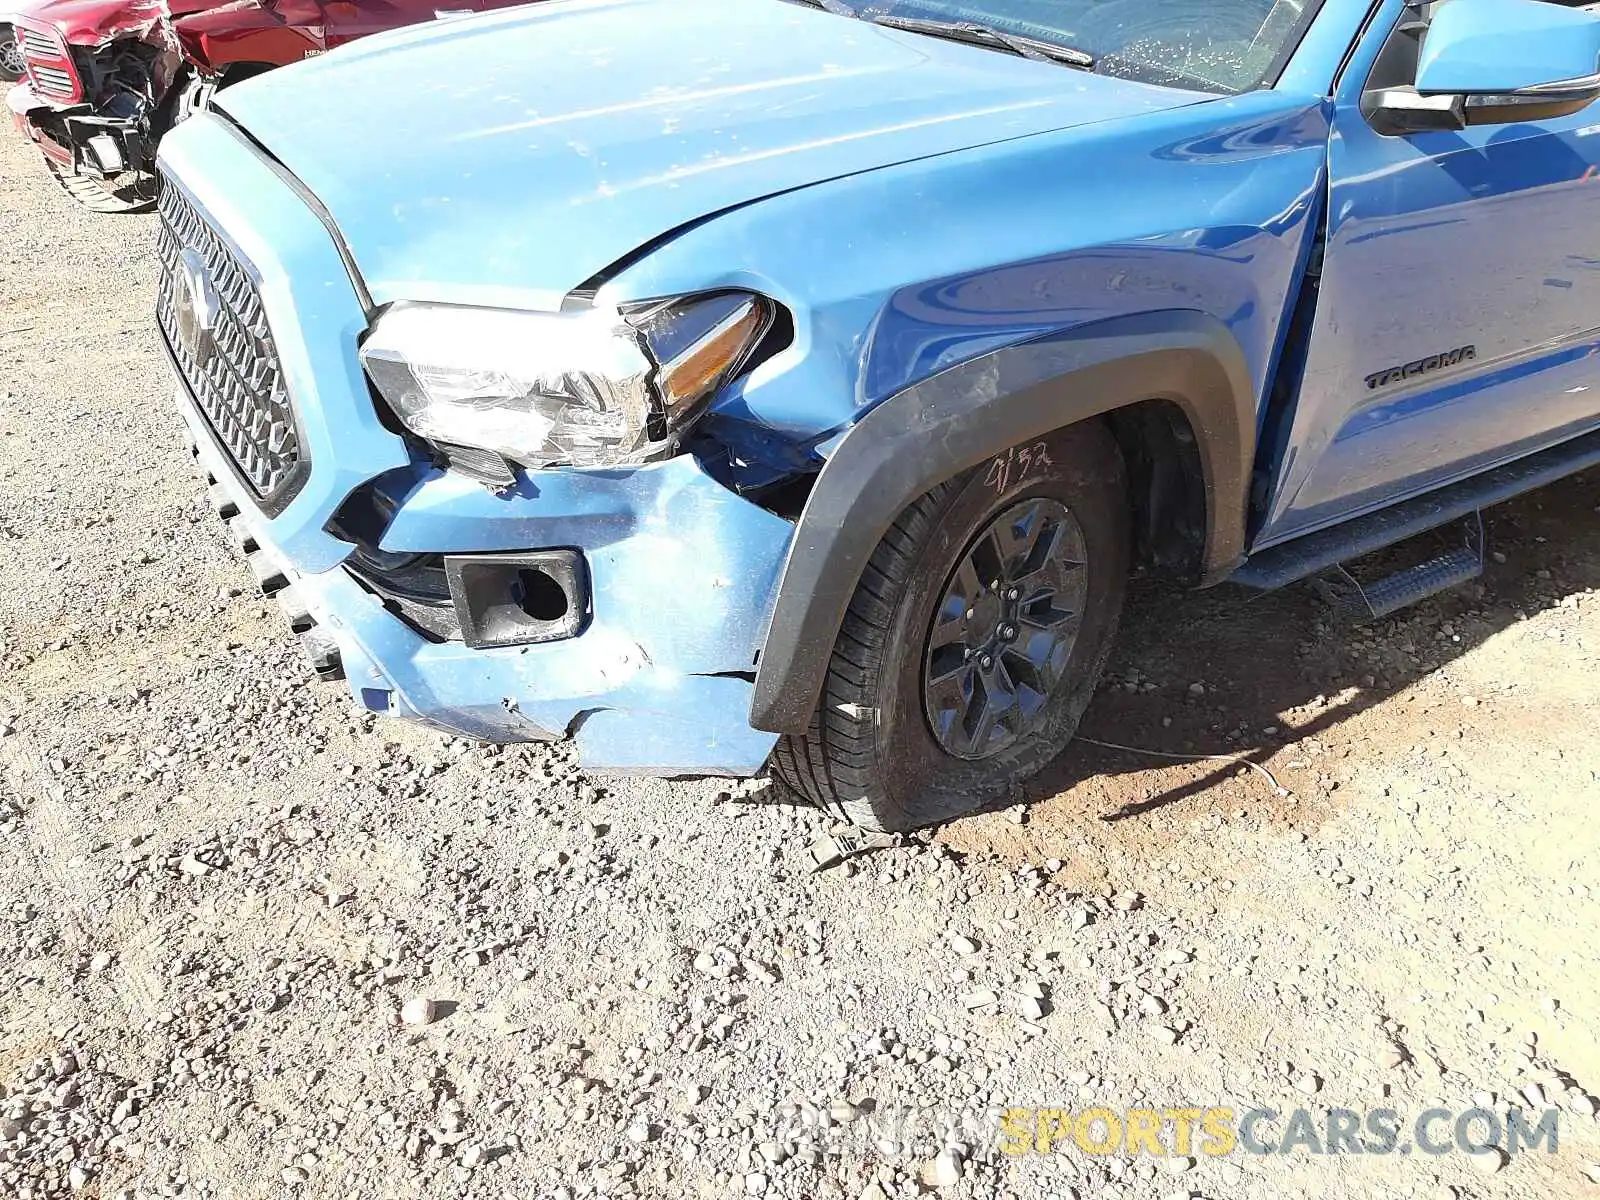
(257, 944)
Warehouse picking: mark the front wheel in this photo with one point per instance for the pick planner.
(974, 640)
(11, 64)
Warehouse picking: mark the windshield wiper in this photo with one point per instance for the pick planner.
(974, 34)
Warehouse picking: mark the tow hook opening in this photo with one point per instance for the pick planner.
(518, 599)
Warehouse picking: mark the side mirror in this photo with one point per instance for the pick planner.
(1487, 62)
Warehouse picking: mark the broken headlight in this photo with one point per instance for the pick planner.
(596, 387)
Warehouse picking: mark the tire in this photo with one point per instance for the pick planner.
(130, 192)
(872, 755)
(11, 64)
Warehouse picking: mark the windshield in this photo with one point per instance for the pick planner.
(1209, 45)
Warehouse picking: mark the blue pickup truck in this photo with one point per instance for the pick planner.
(741, 382)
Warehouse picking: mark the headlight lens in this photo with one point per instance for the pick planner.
(596, 387)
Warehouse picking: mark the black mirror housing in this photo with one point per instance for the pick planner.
(1402, 110)
(1396, 112)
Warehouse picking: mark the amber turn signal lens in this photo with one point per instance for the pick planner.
(704, 365)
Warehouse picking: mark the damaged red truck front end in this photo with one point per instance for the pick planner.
(105, 79)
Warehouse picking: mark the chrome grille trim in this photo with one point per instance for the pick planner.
(48, 63)
(35, 42)
(51, 81)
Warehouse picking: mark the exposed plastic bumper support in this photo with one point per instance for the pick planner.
(22, 100)
(75, 136)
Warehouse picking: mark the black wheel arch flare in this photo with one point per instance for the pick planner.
(955, 420)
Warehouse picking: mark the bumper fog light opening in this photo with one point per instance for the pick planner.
(518, 599)
(541, 596)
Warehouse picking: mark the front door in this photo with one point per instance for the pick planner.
(1458, 321)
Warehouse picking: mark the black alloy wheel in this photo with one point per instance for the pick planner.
(1004, 631)
(974, 640)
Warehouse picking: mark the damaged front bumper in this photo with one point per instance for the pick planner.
(658, 682)
(32, 118)
(677, 572)
(76, 138)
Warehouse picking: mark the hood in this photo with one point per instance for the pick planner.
(523, 152)
(94, 22)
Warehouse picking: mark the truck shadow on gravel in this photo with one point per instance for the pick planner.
(1276, 670)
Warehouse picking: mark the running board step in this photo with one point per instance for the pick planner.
(1305, 556)
(295, 611)
(1369, 601)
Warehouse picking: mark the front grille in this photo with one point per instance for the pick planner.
(50, 81)
(34, 42)
(234, 372)
(49, 64)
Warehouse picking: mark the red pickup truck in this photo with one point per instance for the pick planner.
(103, 80)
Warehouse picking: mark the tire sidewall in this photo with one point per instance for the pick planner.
(1085, 474)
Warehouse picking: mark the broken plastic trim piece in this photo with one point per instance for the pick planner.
(487, 467)
(832, 850)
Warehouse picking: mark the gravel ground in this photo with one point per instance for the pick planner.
(258, 944)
